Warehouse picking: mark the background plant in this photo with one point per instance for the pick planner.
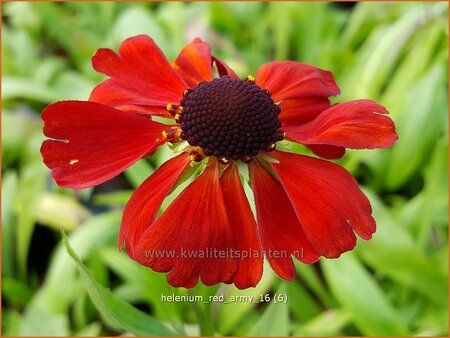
(396, 284)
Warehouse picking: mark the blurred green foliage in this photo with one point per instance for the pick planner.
(395, 284)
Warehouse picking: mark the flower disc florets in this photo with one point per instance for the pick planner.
(230, 118)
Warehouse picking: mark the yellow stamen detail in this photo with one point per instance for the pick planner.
(271, 147)
(251, 78)
(223, 160)
(196, 155)
(174, 135)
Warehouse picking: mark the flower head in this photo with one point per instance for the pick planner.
(228, 128)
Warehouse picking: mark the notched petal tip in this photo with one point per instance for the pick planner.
(199, 40)
(86, 146)
(140, 75)
(243, 226)
(280, 231)
(101, 57)
(327, 201)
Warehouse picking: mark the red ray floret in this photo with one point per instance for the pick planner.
(280, 231)
(92, 143)
(327, 201)
(299, 111)
(194, 63)
(141, 209)
(289, 79)
(356, 124)
(141, 77)
(193, 227)
(244, 228)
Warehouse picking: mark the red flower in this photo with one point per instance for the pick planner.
(305, 207)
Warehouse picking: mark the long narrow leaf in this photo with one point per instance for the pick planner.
(115, 311)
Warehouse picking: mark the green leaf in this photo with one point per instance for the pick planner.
(91, 330)
(72, 86)
(298, 294)
(52, 300)
(361, 21)
(427, 212)
(309, 22)
(17, 139)
(11, 321)
(412, 68)
(116, 312)
(31, 186)
(419, 127)
(60, 30)
(117, 198)
(275, 320)
(25, 88)
(25, 55)
(16, 292)
(138, 172)
(21, 15)
(59, 211)
(328, 323)
(230, 314)
(59, 288)
(222, 19)
(309, 276)
(151, 285)
(394, 253)
(379, 55)
(54, 325)
(280, 18)
(9, 189)
(360, 295)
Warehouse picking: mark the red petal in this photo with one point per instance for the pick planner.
(289, 79)
(243, 226)
(326, 151)
(355, 124)
(141, 71)
(113, 93)
(223, 68)
(194, 224)
(327, 201)
(145, 202)
(279, 228)
(194, 63)
(300, 110)
(93, 143)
